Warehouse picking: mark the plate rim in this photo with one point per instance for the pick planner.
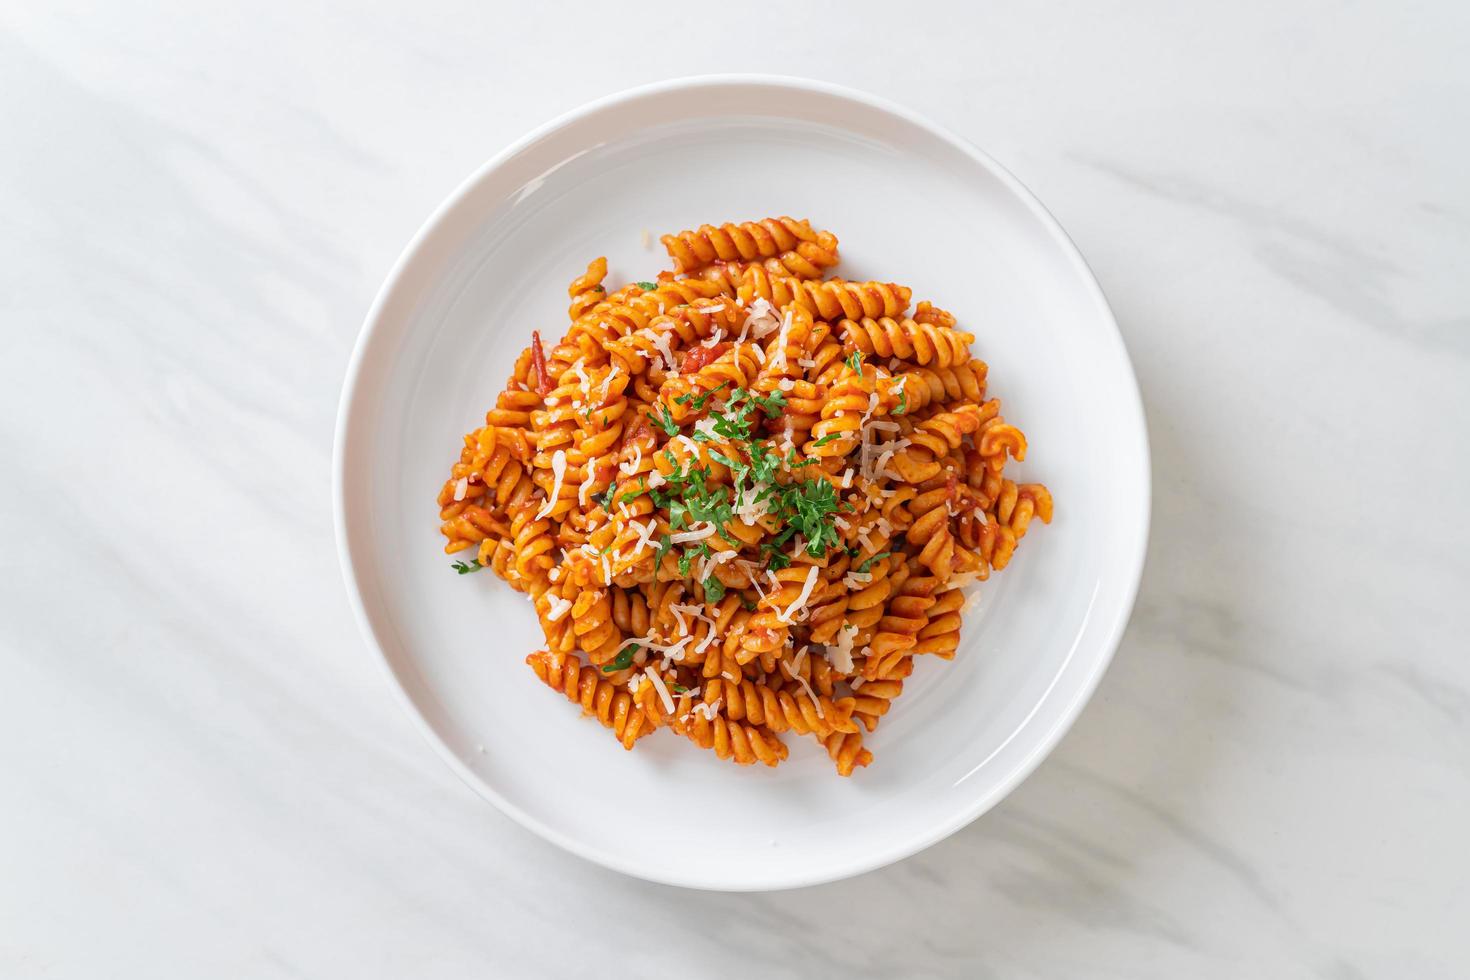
(1068, 713)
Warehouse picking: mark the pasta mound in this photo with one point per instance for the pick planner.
(742, 497)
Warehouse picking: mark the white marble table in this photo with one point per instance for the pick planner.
(205, 773)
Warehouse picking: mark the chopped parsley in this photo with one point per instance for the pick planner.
(622, 661)
(666, 421)
(829, 437)
(903, 402)
(697, 403)
(865, 566)
(760, 475)
(466, 568)
(646, 286)
(855, 361)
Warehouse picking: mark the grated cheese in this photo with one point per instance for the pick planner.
(461, 487)
(559, 607)
(807, 686)
(839, 654)
(964, 579)
(695, 534)
(558, 473)
(806, 593)
(781, 343)
(759, 322)
(715, 338)
(645, 534)
(630, 467)
(587, 485)
(708, 711)
(661, 341)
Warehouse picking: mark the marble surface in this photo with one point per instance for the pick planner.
(205, 772)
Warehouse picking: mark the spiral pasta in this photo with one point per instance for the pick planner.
(743, 499)
(788, 246)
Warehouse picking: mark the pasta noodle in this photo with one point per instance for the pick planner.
(744, 499)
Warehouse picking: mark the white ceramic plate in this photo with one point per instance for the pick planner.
(910, 203)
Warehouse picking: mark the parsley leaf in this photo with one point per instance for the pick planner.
(666, 421)
(622, 661)
(646, 286)
(466, 569)
(720, 457)
(829, 437)
(714, 589)
(903, 402)
(770, 404)
(748, 603)
(664, 544)
(855, 361)
(869, 563)
(697, 403)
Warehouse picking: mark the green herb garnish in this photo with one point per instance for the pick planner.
(855, 361)
(697, 403)
(622, 661)
(646, 286)
(666, 421)
(465, 569)
(714, 589)
(869, 563)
